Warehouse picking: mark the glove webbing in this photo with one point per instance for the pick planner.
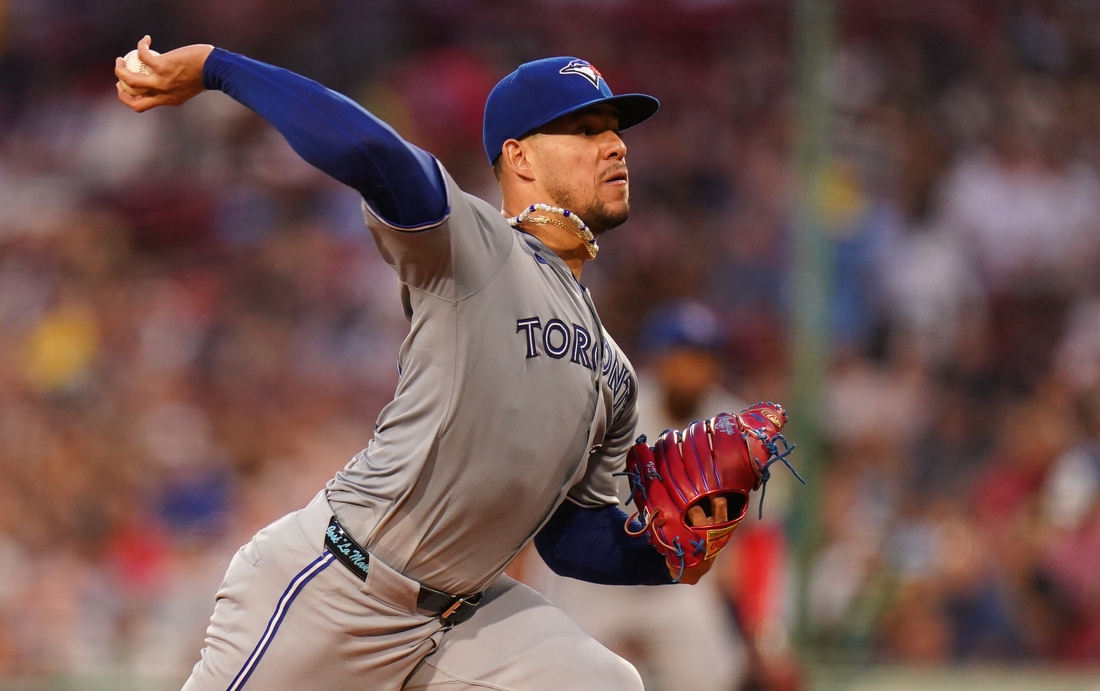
(774, 456)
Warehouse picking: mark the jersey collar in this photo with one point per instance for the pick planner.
(548, 256)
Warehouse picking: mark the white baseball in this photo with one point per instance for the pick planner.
(134, 64)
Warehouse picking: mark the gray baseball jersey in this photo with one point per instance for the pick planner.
(511, 396)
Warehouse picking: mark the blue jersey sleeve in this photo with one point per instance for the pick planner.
(590, 545)
(402, 183)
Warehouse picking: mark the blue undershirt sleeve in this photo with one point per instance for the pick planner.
(591, 545)
(402, 183)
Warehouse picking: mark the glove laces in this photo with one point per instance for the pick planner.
(774, 456)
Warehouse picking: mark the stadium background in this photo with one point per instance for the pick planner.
(196, 330)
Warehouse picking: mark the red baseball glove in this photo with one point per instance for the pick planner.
(691, 488)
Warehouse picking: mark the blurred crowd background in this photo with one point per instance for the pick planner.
(196, 330)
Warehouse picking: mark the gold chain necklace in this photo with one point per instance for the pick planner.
(579, 229)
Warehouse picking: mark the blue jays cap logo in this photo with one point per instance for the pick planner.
(584, 69)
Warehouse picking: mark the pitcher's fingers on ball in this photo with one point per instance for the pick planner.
(124, 95)
(123, 88)
(138, 83)
(145, 103)
(134, 63)
(149, 56)
(130, 67)
(139, 103)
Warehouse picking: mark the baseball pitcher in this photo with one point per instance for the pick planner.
(513, 412)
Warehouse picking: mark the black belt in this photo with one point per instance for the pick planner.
(449, 608)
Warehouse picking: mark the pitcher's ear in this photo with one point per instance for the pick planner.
(515, 157)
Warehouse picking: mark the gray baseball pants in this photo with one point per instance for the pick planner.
(288, 616)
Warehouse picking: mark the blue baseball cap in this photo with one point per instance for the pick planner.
(543, 90)
(682, 324)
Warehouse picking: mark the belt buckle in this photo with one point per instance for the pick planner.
(456, 614)
(453, 608)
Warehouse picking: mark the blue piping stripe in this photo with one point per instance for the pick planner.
(296, 584)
